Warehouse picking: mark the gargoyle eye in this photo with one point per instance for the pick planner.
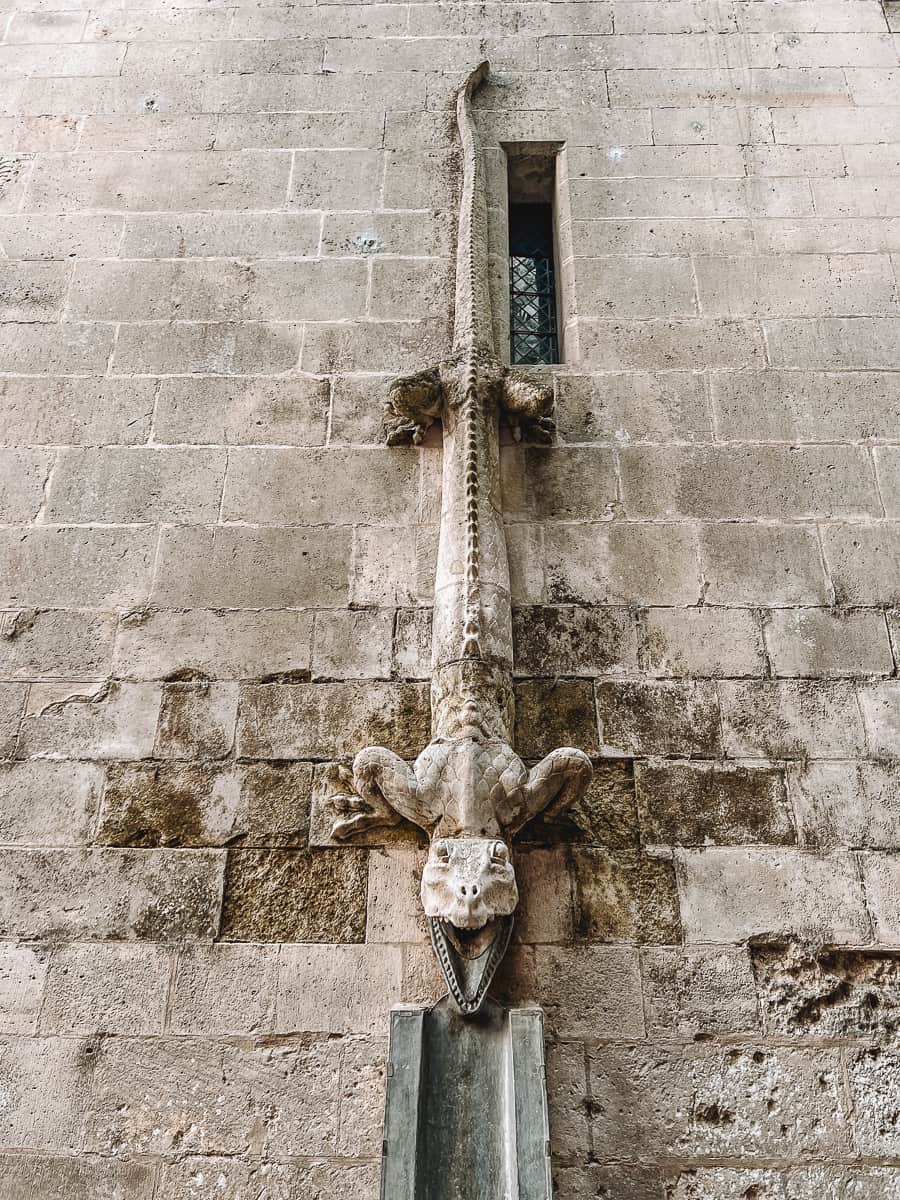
(499, 853)
(442, 852)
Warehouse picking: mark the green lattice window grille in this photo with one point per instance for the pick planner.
(532, 285)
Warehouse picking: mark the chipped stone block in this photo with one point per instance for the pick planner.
(362, 1096)
(624, 896)
(23, 973)
(828, 993)
(552, 713)
(295, 896)
(114, 720)
(47, 1085)
(197, 720)
(731, 895)
(57, 1178)
(97, 988)
(695, 991)
(330, 720)
(162, 644)
(694, 804)
(224, 989)
(659, 718)
(133, 895)
(873, 1076)
(52, 645)
(337, 989)
(573, 641)
(724, 1101)
(48, 803)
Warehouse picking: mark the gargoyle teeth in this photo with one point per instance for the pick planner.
(468, 978)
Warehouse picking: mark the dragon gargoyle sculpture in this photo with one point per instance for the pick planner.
(468, 789)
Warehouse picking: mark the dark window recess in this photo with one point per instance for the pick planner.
(532, 285)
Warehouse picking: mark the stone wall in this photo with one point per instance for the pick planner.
(224, 227)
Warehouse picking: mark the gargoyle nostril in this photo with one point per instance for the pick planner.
(474, 890)
(463, 890)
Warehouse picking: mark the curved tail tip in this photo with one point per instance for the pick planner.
(479, 74)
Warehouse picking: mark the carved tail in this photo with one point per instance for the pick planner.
(472, 327)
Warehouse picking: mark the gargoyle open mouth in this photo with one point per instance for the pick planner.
(469, 958)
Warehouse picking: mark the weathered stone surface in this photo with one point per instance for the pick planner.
(846, 804)
(815, 643)
(717, 642)
(696, 991)
(197, 720)
(626, 1183)
(353, 645)
(731, 895)
(624, 897)
(606, 815)
(367, 978)
(47, 803)
(96, 988)
(717, 1101)
(295, 896)
(48, 1089)
(329, 721)
(828, 994)
(881, 874)
(181, 804)
(58, 1178)
(690, 804)
(23, 974)
(762, 719)
(120, 894)
(43, 566)
(551, 713)
(659, 718)
(573, 641)
(92, 720)
(224, 989)
(53, 645)
(206, 1177)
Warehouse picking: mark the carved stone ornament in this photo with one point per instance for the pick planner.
(468, 789)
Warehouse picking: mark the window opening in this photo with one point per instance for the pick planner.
(534, 336)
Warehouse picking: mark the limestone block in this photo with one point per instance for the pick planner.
(864, 562)
(46, 566)
(635, 288)
(846, 804)
(881, 873)
(362, 1096)
(331, 720)
(830, 994)
(816, 642)
(762, 719)
(668, 404)
(207, 1177)
(116, 720)
(854, 196)
(251, 568)
(47, 1082)
(300, 130)
(248, 235)
(23, 974)
(412, 643)
(74, 411)
(49, 803)
(81, 60)
(133, 895)
(680, 237)
(623, 563)
(835, 343)
(394, 906)
(196, 347)
(224, 989)
(624, 897)
(337, 989)
(337, 179)
(144, 290)
(557, 483)
(545, 912)
(54, 349)
(97, 988)
(573, 641)
(873, 1085)
(359, 233)
(831, 16)
(806, 285)
(683, 198)
(887, 465)
(33, 291)
(606, 815)
(719, 1101)
(390, 346)
(240, 412)
(695, 991)
(745, 482)
(567, 1101)
(730, 895)
(708, 124)
(702, 641)
(23, 475)
(659, 718)
(626, 1183)
(161, 1095)
(12, 703)
(552, 713)
(410, 289)
(180, 182)
(57, 1178)
(167, 643)
(691, 804)
(385, 566)
(585, 991)
(41, 645)
(860, 236)
(671, 345)
(197, 720)
(854, 126)
(302, 486)
(295, 896)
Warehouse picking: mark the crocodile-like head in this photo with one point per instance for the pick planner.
(469, 894)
